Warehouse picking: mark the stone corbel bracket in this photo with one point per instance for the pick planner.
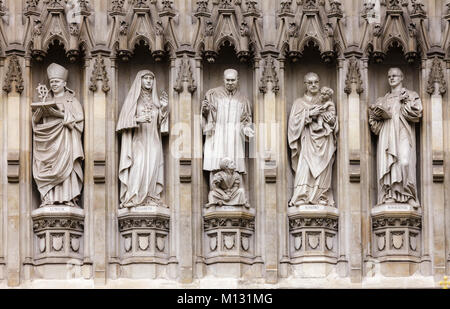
(313, 233)
(229, 234)
(396, 235)
(222, 22)
(144, 232)
(49, 22)
(58, 233)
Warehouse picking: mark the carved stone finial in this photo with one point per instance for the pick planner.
(117, 5)
(393, 5)
(225, 4)
(286, 6)
(310, 5)
(418, 7)
(14, 74)
(99, 74)
(436, 76)
(167, 5)
(353, 77)
(185, 75)
(251, 5)
(269, 75)
(31, 5)
(202, 6)
(335, 8)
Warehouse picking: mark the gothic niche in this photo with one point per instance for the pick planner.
(228, 211)
(142, 128)
(58, 215)
(395, 183)
(313, 213)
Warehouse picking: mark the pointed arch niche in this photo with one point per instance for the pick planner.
(313, 235)
(149, 241)
(235, 244)
(59, 232)
(396, 233)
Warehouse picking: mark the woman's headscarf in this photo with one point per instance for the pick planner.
(127, 117)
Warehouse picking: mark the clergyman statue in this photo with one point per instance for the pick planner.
(392, 118)
(57, 124)
(142, 120)
(312, 131)
(227, 122)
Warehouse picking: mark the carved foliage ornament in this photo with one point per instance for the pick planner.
(269, 75)
(202, 6)
(14, 74)
(31, 5)
(117, 5)
(99, 74)
(436, 76)
(353, 76)
(286, 6)
(185, 75)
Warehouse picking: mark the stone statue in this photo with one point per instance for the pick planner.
(226, 186)
(312, 133)
(392, 118)
(227, 121)
(142, 119)
(57, 146)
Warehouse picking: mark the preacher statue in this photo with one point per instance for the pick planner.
(392, 118)
(57, 145)
(312, 133)
(227, 120)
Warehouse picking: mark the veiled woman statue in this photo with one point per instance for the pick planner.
(57, 147)
(142, 119)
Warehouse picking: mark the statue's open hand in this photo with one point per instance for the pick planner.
(164, 99)
(248, 132)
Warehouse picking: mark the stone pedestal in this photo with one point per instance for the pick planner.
(144, 241)
(58, 233)
(396, 238)
(58, 242)
(313, 239)
(229, 240)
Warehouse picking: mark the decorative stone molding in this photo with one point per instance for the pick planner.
(50, 22)
(58, 232)
(229, 234)
(99, 73)
(396, 232)
(13, 75)
(313, 234)
(436, 76)
(353, 77)
(185, 75)
(144, 233)
(269, 75)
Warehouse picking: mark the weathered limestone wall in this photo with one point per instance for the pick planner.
(187, 44)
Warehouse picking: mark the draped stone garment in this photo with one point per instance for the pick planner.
(232, 113)
(226, 188)
(312, 153)
(396, 152)
(58, 151)
(141, 167)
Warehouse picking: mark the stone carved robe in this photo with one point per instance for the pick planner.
(226, 189)
(396, 152)
(230, 114)
(58, 151)
(312, 141)
(141, 167)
